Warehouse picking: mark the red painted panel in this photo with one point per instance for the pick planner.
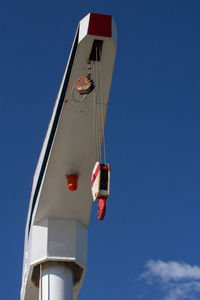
(100, 25)
(95, 175)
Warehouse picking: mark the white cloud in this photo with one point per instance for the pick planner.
(171, 270)
(178, 280)
(183, 291)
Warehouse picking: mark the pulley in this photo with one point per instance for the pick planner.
(84, 85)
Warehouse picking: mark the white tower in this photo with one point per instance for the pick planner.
(55, 250)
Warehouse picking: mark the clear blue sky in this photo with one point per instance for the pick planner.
(152, 132)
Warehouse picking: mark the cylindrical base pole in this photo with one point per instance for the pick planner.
(56, 281)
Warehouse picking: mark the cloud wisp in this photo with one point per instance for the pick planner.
(178, 280)
(171, 270)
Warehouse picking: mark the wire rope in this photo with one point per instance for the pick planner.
(103, 110)
(98, 107)
(95, 117)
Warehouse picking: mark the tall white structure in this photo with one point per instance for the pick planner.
(55, 250)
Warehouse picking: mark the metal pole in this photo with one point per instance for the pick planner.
(56, 281)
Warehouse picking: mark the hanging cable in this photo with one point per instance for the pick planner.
(103, 110)
(95, 116)
(98, 107)
(100, 182)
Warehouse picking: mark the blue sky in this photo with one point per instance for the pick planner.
(153, 144)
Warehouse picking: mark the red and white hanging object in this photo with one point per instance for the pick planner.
(100, 185)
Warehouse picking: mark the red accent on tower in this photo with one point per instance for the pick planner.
(72, 182)
(100, 25)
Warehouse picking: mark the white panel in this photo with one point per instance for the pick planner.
(59, 239)
(39, 241)
(62, 238)
(81, 244)
(83, 29)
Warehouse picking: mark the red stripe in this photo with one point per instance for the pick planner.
(100, 25)
(94, 176)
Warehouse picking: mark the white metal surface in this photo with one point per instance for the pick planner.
(73, 147)
(56, 215)
(59, 239)
(56, 282)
